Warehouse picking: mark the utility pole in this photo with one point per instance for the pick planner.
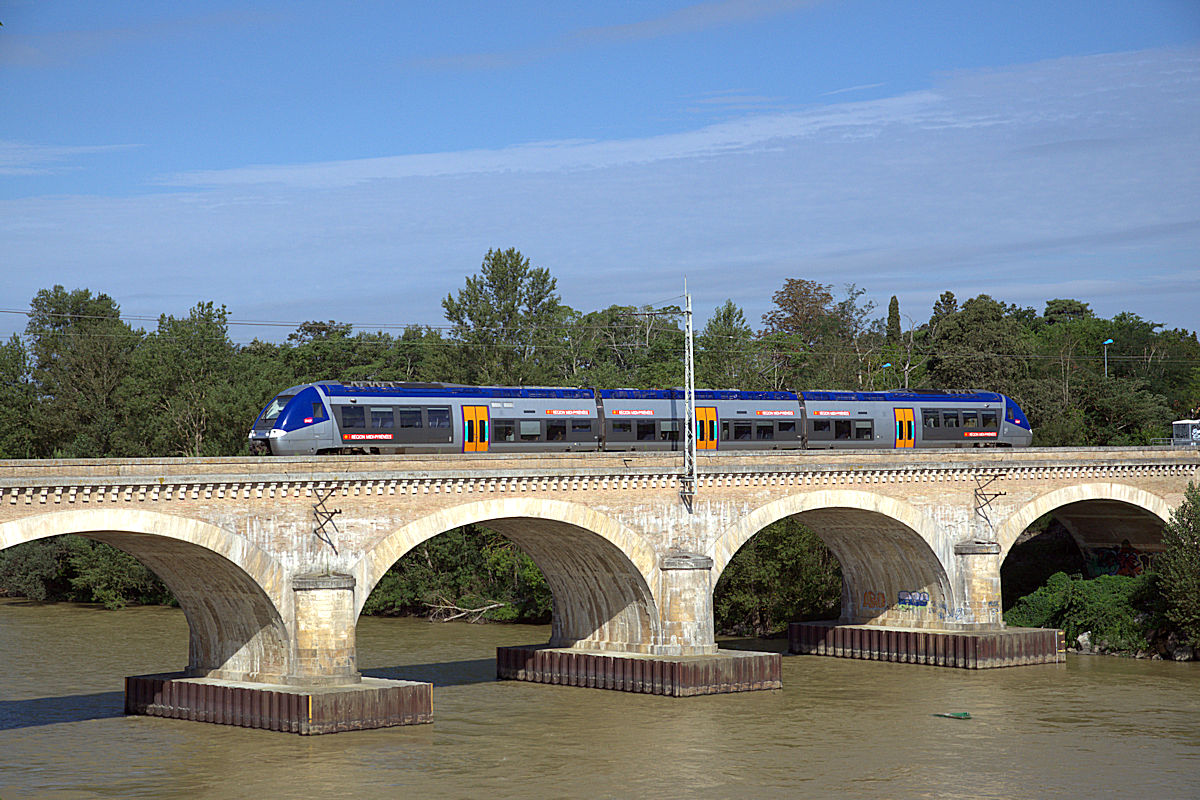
(688, 489)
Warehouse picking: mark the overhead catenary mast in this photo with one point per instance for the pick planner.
(688, 487)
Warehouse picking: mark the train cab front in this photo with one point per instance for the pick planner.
(291, 424)
(1017, 430)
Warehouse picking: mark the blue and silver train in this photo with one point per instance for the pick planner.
(376, 417)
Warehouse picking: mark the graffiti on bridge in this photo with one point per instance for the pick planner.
(1123, 560)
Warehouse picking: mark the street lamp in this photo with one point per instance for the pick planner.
(1107, 342)
(885, 366)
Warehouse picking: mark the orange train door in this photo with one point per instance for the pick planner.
(706, 428)
(904, 427)
(475, 429)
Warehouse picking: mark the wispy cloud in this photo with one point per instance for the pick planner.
(61, 48)
(860, 88)
(689, 19)
(17, 158)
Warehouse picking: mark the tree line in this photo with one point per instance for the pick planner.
(84, 383)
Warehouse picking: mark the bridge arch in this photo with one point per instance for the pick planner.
(229, 590)
(1145, 503)
(881, 543)
(598, 570)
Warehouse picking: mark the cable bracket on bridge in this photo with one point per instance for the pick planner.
(324, 517)
(983, 499)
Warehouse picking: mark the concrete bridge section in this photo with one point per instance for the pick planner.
(272, 584)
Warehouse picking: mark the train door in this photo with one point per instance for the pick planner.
(706, 428)
(904, 427)
(475, 429)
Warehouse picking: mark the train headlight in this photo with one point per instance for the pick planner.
(276, 433)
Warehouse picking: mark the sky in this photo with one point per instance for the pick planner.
(355, 161)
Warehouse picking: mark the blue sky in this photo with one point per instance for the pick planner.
(354, 161)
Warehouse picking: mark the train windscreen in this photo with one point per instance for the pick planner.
(272, 411)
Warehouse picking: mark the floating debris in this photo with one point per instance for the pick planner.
(954, 715)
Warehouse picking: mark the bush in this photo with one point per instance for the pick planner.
(1121, 612)
(1179, 567)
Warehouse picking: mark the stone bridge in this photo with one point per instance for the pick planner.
(270, 598)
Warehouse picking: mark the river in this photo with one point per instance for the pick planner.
(1094, 727)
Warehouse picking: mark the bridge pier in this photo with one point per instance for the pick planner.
(322, 692)
(683, 662)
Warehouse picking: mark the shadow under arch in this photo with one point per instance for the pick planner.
(228, 588)
(1146, 507)
(599, 571)
(880, 543)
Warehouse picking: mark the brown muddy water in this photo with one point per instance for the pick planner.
(1094, 727)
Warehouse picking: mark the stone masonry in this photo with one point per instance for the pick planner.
(271, 596)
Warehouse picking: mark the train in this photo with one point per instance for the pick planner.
(374, 417)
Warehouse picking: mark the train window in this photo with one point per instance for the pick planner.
(949, 419)
(820, 426)
(645, 431)
(668, 430)
(764, 431)
(556, 431)
(438, 416)
(741, 431)
(275, 407)
(724, 431)
(864, 429)
(581, 427)
(381, 417)
(932, 420)
(970, 419)
(530, 430)
(988, 419)
(318, 411)
(787, 427)
(503, 430)
(622, 427)
(410, 416)
(1008, 414)
(841, 429)
(354, 417)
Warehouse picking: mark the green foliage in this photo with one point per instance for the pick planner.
(104, 574)
(72, 568)
(80, 353)
(1119, 611)
(18, 402)
(784, 574)
(506, 318)
(36, 570)
(1179, 566)
(725, 351)
(465, 568)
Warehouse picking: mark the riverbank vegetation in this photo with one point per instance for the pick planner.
(84, 382)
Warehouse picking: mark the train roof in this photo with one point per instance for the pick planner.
(701, 394)
(404, 389)
(901, 396)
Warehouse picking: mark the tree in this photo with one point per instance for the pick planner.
(1179, 566)
(508, 317)
(18, 401)
(1061, 310)
(725, 351)
(893, 322)
(81, 353)
(978, 347)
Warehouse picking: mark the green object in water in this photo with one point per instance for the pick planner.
(954, 714)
